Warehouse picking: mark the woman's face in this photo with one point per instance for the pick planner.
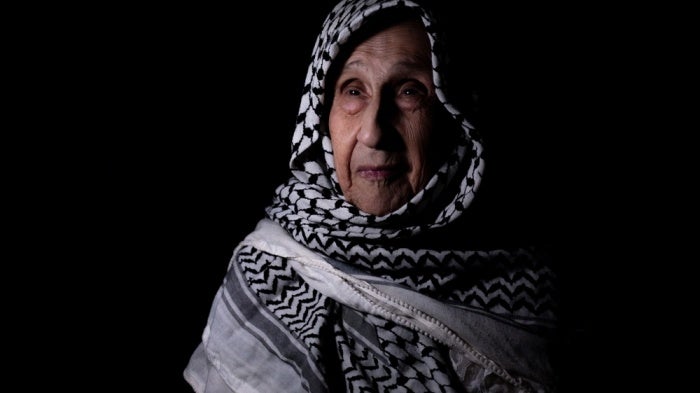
(381, 119)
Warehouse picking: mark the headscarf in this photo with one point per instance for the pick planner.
(311, 206)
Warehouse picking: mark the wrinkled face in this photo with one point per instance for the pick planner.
(381, 119)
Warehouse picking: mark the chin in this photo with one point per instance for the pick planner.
(379, 209)
(382, 200)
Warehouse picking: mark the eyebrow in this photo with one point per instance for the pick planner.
(405, 64)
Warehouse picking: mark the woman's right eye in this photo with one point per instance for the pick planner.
(352, 89)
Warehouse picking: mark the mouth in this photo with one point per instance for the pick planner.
(380, 172)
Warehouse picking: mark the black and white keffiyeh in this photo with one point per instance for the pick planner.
(334, 347)
(313, 210)
(311, 202)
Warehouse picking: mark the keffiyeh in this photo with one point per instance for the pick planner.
(311, 207)
(323, 297)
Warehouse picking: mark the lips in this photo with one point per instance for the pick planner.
(380, 172)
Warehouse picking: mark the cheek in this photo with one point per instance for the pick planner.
(417, 137)
(341, 143)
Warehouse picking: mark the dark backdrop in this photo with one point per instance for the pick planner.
(195, 111)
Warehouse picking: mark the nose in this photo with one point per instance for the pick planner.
(377, 129)
(371, 132)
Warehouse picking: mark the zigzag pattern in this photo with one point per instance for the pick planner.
(525, 292)
(409, 361)
(301, 308)
(502, 297)
(501, 281)
(415, 363)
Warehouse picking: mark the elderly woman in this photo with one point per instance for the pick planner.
(345, 286)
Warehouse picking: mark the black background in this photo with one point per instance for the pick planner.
(187, 115)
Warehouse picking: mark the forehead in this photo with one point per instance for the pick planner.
(405, 38)
(410, 31)
(404, 45)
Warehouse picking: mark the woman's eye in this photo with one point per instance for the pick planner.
(410, 95)
(412, 90)
(354, 92)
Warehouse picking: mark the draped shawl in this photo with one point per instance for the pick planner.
(512, 286)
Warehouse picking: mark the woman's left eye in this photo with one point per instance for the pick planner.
(412, 89)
